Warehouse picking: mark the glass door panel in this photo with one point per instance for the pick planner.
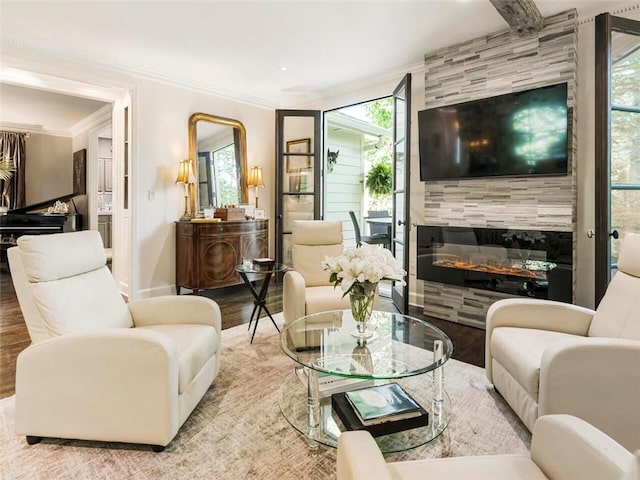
(298, 172)
(400, 228)
(617, 165)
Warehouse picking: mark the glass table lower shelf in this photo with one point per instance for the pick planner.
(292, 399)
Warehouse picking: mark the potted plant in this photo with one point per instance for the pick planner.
(379, 180)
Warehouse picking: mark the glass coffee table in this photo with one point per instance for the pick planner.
(404, 350)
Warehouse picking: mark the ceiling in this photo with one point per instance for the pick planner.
(36, 111)
(238, 48)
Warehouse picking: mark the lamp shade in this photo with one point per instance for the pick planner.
(255, 177)
(185, 173)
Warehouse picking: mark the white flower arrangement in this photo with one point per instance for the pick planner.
(365, 264)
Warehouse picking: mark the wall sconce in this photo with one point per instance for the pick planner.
(185, 176)
(256, 180)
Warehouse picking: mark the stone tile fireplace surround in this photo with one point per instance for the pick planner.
(487, 66)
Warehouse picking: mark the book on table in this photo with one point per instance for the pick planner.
(381, 410)
(330, 384)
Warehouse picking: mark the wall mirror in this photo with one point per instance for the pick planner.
(218, 152)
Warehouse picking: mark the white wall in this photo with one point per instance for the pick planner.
(48, 167)
(159, 138)
(160, 141)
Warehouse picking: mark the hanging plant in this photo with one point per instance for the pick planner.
(379, 180)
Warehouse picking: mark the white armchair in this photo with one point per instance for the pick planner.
(99, 368)
(562, 448)
(548, 357)
(306, 289)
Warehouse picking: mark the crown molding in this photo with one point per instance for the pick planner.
(95, 119)
(33, 129)
(28, 48)
(360, 91)
(287, 100)
(619, 11)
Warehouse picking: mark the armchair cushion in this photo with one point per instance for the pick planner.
(323, 298)
(618, 313)
(78, 303)
(195, 345)
(629, 258)
(66, 279)
(74, 254)
(312, 241)
(307, 260)
(520, 351)
(476, 468)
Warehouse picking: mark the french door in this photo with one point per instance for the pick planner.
(299, 194)
(298, 141)
(617, 141)
(401, 174)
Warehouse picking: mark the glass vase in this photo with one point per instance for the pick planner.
(361, 297)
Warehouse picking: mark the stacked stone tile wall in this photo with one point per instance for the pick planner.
(485, 67)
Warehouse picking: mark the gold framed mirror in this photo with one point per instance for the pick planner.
(218, 154)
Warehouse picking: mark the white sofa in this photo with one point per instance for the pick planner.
(548, 357)
(99, 368)
(562, 448)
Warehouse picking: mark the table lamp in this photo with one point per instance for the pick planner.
(185, 176)
(256, 180)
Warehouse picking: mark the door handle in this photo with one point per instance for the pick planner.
(614, 234)
(400, 223)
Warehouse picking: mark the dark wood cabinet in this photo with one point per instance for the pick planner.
(207, 253)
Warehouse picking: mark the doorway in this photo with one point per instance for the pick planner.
(358, 165)
(366, 171)
(118, 114)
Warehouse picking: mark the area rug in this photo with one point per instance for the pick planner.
(238, 432)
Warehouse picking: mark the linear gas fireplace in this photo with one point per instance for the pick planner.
(531, 263)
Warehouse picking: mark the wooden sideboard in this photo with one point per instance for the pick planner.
(207, 253)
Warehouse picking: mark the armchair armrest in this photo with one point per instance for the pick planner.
(359, 457)
(537, 314)
(596, 379)
(293, 296)
(564, 446)
(101, 385)
(176, 309)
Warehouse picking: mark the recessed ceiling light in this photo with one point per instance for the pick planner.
(284, 69)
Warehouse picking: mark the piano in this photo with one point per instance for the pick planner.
(19, 222)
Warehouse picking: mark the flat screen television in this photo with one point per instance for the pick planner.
(517, 134)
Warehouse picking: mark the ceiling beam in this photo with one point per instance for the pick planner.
(522, 15)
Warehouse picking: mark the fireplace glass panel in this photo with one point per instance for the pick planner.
(530, 263)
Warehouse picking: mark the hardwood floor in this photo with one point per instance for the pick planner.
(235, 304)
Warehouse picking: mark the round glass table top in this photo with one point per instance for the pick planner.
(401, 346)
(250, 267)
